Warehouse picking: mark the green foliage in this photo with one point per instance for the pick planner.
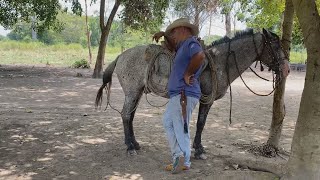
(81, 64)
(298, 56)
(38, 53)
(17, 46)
(43, 13)
(127, 37)
(297, 37)
(20, 31)
(74, 28)
(94, 27)
(260, 14)
(147, 15)
(209, 39)
(34, 45)
(226, 6)
(73, 31)
(2, 38)
(50, 37)
(196, 11)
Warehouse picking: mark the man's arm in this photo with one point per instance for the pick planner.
(194, 65)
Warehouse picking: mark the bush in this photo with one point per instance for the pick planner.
(298, 57)
(81, 64)
(2, 38)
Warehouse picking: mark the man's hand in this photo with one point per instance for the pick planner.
(188, 79)
(157, 36)
(194, 65)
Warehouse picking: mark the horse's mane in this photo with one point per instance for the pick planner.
(238, 35)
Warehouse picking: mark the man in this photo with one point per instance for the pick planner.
(184, 91)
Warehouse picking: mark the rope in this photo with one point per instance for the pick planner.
(274, 63)
(235, 59)
(208, 99)
(258, 74)
(228, 78)
(108, 88)
(150, 84)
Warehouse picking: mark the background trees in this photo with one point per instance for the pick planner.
(198, 11)
(44, 12)
(140, 14)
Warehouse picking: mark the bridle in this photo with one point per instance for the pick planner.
(274, 65)
(276, 59)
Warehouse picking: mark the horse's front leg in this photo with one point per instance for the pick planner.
(202, 117)
(128, 111)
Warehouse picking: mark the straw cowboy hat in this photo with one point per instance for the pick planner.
(185, 23)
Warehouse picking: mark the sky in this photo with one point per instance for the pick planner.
(3, 32)
(217, 27)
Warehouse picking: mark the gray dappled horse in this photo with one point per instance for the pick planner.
(229, 59)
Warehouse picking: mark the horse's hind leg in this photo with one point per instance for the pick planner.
(129, 108)
(202, 117)
(133, 138)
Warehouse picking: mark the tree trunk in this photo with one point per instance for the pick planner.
(210, 24)
(228, 24)
(105, 29)
(304, 162)
(101, 54)
(278, 98)
(33, 28)
(88, 33)
(197, 17)
(234, 23)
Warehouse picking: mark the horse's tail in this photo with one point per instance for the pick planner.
(107, 81)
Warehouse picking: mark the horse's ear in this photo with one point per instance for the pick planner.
(274, 35)
(265, 32)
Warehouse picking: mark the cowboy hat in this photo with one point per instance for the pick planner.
(185, 23)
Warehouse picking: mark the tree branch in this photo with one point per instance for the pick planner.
(112, 14)
(102, 9)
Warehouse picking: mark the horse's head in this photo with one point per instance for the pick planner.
(272, 54)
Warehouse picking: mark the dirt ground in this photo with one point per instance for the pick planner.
(49, 128)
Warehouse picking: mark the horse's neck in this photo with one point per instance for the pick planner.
(244, 55)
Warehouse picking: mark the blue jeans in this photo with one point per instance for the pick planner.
(173, 122)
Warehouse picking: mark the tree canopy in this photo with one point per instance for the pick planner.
(144, 14)
(43, 12)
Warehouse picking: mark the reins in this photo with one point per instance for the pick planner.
(275, 82)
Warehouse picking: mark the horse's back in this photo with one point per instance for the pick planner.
(131, 69)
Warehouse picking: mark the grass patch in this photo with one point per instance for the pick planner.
(37, 53)
(298, 57)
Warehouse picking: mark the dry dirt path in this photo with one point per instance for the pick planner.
(49, 128)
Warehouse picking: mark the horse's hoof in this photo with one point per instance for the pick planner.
(201, 156)
(137, 147)
(132, 152)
